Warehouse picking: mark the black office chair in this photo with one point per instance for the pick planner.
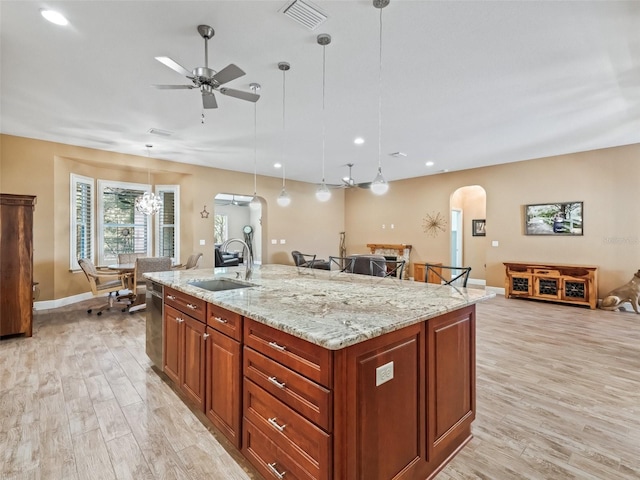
(342, 264)
(458, 276)
(387, 268)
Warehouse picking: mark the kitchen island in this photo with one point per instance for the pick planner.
(327, 375)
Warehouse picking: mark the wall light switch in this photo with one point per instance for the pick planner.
(283, 241)
(494, 243)
(202, 242)
(384, 373)
(274, 241)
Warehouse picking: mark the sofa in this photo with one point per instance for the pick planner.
(223, 259)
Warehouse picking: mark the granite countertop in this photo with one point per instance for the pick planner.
(331, 309)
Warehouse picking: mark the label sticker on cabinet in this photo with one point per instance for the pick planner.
(384, 373)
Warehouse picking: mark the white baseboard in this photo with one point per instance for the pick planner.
(62, 302)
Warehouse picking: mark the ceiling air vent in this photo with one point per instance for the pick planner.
(304, 13)
(157, 131)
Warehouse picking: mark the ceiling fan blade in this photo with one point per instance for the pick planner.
(209, 101)
(228, 73)
(175, 66)
(174, 87)
(252, 97)
(365, 185)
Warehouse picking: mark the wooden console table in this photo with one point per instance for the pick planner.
(574, 284)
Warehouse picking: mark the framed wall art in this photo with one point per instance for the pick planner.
(563, 218)
(478, 227)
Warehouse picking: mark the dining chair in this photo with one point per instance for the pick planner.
(145, 265)
(456, 276)
(192, 262)
(362, 265)
(129, 257)
(307, 260)
(343, 264)
(387, 268)
(102, 282)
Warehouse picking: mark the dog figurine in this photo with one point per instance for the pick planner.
(629, 292)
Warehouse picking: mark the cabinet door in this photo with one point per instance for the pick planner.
(223, 384)
(171, 338)
(192, 368)
(547, 287)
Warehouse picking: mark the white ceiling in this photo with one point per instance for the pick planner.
(464, 84)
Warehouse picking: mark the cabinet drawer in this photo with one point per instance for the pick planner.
(270, 460)
(306, 358)
(225, 321)
(192, 306)
(547, 272)
(300, 438)
(306, 397)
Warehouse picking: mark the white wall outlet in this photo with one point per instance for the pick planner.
(384, 373)
(202, 242)
(494, 243)
(384, 226)
(274, 241)
(393, 226)
(283, 241)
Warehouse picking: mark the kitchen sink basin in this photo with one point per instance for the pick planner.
(219, 284)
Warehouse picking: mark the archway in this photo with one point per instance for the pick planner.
(468, 209)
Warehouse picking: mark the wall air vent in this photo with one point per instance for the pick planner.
(304, 13)
(157, 131)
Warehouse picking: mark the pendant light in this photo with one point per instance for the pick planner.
(148, 203)
(322, 193)
(283, 199)
(379, 186)
(255, 201)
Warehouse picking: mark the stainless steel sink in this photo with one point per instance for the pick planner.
(219, 284)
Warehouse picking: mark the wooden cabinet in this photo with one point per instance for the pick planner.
(184, 345)
(419, 272)
(574, 284)
(223, 371)
(398, 406)
(287, 404)
(16, 264)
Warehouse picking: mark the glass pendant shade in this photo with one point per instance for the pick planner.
(379, 186)
(255, 203)
(148, 203)
(322, 193)
(283, 199)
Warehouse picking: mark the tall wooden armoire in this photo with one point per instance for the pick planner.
(16, 264)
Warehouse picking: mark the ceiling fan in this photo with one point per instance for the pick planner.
(349, 182)
(206, 79)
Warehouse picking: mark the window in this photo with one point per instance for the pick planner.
(168, 222)
(82, 219)
(121, 229)
(221, 229)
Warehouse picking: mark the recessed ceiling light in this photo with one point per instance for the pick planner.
(54, 17)
(429, 163)
(277, 165)
(359, 141)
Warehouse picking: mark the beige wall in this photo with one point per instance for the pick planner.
(605, 180)
(43, 169)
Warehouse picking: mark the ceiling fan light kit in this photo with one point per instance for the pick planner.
(322, 193)
(206, 79)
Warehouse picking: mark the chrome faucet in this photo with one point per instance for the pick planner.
(249, 257)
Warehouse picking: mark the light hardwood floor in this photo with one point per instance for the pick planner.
(558, 398)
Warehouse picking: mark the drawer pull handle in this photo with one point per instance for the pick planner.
(277, 347)
(275, 424)
(192, 306)
(205, 336)
(170, 297)
(274, 470)
(179, 320)
(275, 381)
(219, 319)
